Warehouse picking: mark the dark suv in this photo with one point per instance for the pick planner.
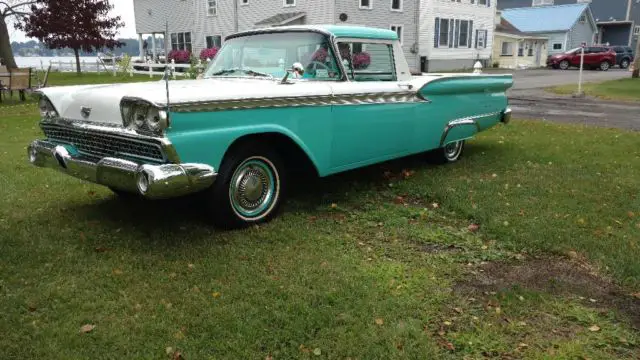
(624, 56)
(595, 57)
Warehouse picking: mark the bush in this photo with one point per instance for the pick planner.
(180, 56)
(208, 54)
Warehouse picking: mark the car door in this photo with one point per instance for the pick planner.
(373, 118)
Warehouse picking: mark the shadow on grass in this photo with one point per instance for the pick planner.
(306, 195)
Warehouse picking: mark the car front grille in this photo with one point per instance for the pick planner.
(102, 144)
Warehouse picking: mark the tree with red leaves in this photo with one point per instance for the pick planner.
(75, 24)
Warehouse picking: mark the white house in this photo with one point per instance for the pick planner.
(198, 24)
(455, 33)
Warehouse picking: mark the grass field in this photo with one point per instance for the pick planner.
(623, 89)
(376, 263)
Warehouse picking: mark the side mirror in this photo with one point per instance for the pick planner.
(296, 68)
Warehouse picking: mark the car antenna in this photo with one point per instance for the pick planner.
(166, 62)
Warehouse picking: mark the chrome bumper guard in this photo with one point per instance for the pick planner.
(506, 116)
(159, 181)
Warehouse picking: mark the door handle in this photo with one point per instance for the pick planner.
(405, 86)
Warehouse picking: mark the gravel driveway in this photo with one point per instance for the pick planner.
(528, 99)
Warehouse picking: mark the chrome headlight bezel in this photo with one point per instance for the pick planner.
(47, 110)
(143, 116)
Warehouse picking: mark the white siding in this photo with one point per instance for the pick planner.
(483, 19)
(152, 15)
(381, 16)
(317, 11)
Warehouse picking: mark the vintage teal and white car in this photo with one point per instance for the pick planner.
(332, 97)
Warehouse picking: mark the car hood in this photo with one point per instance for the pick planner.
(104, 100)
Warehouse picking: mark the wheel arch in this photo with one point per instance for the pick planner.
(293, 151)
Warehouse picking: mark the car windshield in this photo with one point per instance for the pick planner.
(573, 51)
(270, 55)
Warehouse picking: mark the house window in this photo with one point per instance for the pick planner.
(212, 7)
(557, 46)
(289, 3)
(542, 2)
(636, 30)
(244, 2)
(583, 18)
(398, 30)
(481, 38)
(530, 50)
(366, 4)
(507, 49)
(214, 41)
(482, 2)
(181, 41)
(368, 61)
(464, 33)
(396, 5)
(443, 38)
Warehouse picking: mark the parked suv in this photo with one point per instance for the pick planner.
(595, 57)
(624, 56)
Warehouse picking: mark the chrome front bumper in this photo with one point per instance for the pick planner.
(152, 181)
(505, 116)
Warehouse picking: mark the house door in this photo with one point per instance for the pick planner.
(538, 53)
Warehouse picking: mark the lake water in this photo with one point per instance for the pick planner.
(43, 62)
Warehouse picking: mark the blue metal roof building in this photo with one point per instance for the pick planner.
(566, 26)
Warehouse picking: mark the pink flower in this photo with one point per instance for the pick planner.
(361, 60)
(208, 54)
(180, 56)
(320, 55)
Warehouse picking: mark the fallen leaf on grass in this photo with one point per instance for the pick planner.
(179, 335)
(87, 328)
(177, 356)
(117, 272)
(379, 321)
(317, 352)
(594, 328)
(630, 214)
(268, 357)
(399, 200)
(215, 295)
(435, 205)
(334, 205)
(101, 249)
(473, 227)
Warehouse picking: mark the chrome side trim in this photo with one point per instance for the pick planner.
(471, 120)
(299, 101)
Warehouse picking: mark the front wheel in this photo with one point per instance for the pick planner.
(604, 66)
(564, 65)
(624, 64)
(249, 188)
(449, 153)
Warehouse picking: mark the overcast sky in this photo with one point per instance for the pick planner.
(122, 8)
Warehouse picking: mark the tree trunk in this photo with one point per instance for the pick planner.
(636, 64)
(77, 52)
(6, 54)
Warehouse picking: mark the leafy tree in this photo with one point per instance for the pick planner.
(10, 10)
(74, 24)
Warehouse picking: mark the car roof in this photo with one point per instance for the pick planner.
(335, 30)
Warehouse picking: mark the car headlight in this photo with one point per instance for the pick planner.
(143, 117)
(47, 111)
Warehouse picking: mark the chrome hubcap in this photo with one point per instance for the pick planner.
(452, 150)
(253, 188)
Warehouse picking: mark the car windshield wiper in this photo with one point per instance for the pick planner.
(246, 71)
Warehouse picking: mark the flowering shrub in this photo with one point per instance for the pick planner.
(180, 56)
(361, 60)
(208, 54)
(320, 55)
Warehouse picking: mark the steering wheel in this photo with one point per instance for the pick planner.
(319, 63)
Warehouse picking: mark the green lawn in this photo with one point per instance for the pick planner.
(373, 264)
(623, 89)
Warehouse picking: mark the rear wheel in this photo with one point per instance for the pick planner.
(624, 64)
(564, 65)
(448, 154)
(604, 66)
(249, 188)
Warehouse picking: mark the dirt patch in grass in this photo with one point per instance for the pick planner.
(557, 276)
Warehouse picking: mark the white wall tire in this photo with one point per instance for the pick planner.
(449, 153)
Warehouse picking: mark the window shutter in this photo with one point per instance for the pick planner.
(451, 29)
(436, 35)
(476, 43)
(456, 33)
(486, 38)
(488, 3)
(470, 32)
